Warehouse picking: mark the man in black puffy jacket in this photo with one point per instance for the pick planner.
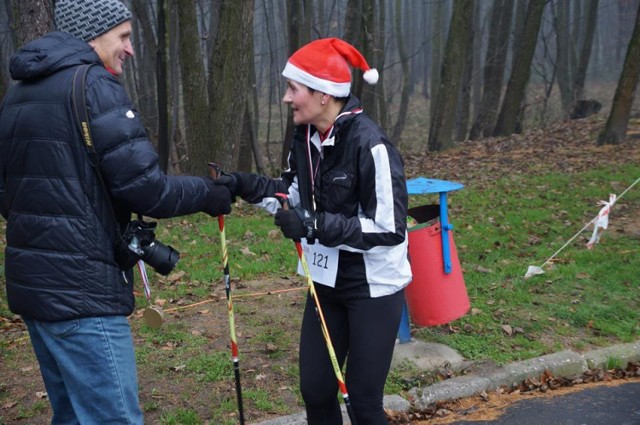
(61, 272)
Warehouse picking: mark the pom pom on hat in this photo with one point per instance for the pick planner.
(371, 76)
(325, 65)
(87, 19)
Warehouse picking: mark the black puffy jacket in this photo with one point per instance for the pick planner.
(59, 258)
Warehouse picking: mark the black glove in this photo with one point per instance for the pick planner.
(218, 198)
(296, 224)
(236, 182)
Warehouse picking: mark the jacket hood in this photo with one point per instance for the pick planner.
(49, 54)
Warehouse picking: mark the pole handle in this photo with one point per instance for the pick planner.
(284, 200)
(214, 170)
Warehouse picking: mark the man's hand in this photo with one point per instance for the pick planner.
(218, 198)
(236, 182)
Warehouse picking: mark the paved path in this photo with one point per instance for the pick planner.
(430, 356)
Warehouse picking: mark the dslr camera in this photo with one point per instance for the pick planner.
(139, 243)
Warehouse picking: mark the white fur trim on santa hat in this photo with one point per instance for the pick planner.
(371, 76)
(296, 74)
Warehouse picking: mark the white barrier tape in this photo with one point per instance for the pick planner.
(602, 220)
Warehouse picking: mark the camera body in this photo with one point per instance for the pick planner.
(139, 243)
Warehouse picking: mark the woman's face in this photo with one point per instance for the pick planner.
(306, 104)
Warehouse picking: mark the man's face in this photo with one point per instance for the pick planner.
(114, 46)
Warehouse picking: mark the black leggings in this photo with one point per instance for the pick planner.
(366, 329)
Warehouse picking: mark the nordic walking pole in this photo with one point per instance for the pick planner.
(214, 171)
(323, 324)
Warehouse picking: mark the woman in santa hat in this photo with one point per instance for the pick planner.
(346, 187)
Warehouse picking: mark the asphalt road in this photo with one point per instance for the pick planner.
(595, 405)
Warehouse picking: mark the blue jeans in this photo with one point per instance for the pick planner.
(89, 369)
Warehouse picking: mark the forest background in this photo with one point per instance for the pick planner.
(206, 75)
(481, 92)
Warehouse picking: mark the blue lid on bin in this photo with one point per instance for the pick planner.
(421, 185)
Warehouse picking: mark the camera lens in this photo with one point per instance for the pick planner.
(161, 257)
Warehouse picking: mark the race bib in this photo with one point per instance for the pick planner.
(322, 261)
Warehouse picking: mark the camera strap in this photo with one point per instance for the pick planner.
(81, 114)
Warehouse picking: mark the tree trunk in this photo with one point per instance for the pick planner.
(146, 61)
(178, 149)
(464, 96)
(247, 142)
(406, 77)
(615, 129)
(477, 68)
(495, 60)
(229, 81)
(380, 40)
(458, 41)
(426, 45)
(353, 30)
(372, 49)
(162, 98)
(31, 19)
(438, 28)
(509, 116)
(564, 70)
(194, 90)
(298, 35)
(585, 50)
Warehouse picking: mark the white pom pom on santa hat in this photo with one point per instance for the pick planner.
(371, 76)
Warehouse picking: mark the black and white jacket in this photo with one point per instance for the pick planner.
(360, 198)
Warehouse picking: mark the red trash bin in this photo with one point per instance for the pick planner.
(433, 297)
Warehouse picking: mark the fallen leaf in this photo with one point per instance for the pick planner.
(246, 251)
(9, 404)
(271, 347)
(174, 277)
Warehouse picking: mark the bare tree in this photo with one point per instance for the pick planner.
(406, 76)
(353, 33)
(194, 88)
(495, 60)
(585, 49)
(615, 129)
(444, 108)
(438, 29)
(371, 47)
(162, 89)
(564, 52)
(298, 36)
(146, 60)
(510, 113)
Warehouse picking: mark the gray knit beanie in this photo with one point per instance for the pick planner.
(87, 19)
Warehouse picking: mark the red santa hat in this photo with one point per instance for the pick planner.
(324, 65)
